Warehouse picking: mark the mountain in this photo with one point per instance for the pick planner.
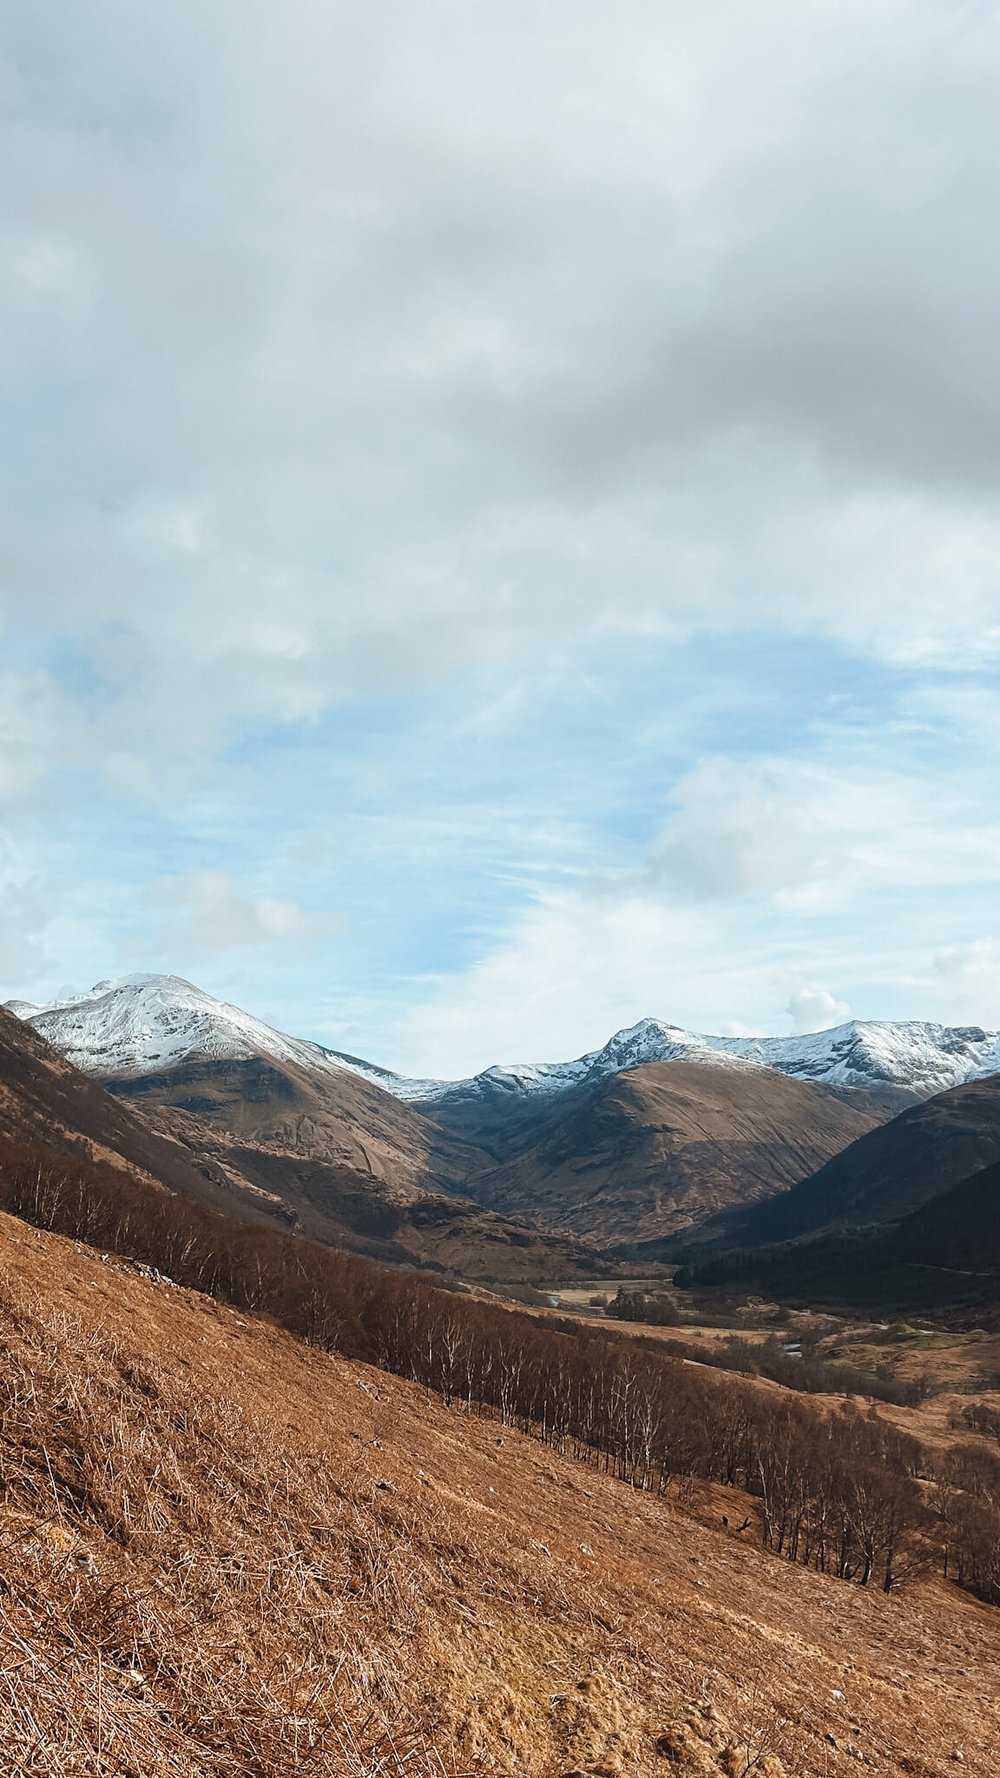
(620, 1147)
(889, 1172)
(271, 1558)
(631, 1159)
(940, 1261)
(44, 1099)
(626, 1147)
(959, 1229)
(327, 1154)
(145, 1023)
(142, 1024)
(344, 1162)
(890, 1064)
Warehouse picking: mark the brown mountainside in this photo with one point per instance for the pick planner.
(287, 1109)
(44, 1098)
(656, 1150)
(888, 1173)
(268, 1144)
(342, 1161)
(226, 1552)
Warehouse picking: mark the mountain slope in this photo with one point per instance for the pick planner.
(43, 1098)
(637, 1157)
(958, 1229)
(941, 1261)
(256, 1556)
(886, 1174)
(347, 1164)
(370, 1174)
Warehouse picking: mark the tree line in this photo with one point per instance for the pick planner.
(837, 1489)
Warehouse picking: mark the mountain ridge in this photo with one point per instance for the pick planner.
(374, 1177)
(141, 1023)
(634, 1159)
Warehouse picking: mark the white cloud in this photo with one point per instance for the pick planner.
(816, 1009)
(351, 361)
(208, 913)
(382, 353)
(966, 981)
(975, 962)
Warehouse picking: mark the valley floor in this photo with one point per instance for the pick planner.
(226, 1553)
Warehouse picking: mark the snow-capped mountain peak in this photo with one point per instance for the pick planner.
(144, 1024)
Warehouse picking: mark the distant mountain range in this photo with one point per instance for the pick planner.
(330, 1157)
(144, 1022)
(658, 1141)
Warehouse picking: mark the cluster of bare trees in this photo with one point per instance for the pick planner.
(840, 1490)
(979, 1417)
(967, 1491)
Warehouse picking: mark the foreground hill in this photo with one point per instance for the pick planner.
(254, 1557)
(331, 1156)
(642, 1155)
(886, 1174)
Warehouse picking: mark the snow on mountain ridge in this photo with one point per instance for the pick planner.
(144, 1023)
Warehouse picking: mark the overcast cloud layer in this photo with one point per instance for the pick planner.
(499, 513)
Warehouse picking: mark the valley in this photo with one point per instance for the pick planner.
(550, 1540)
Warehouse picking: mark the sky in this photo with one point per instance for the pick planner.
(499, 514)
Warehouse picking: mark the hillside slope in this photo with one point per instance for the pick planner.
(632, 1160)
(227, 1553)
(42, 1097)
(348, 1164)
(332, 1157)
(959, 1228)
(886, 1174)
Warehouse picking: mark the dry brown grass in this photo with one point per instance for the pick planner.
(223, 1553)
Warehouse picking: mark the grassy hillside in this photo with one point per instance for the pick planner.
(629, 1162)
(226, 1553)
(880, 1178)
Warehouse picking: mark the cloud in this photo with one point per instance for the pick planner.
(23, 918)
(975, 962)
(341, 379)
(816, 1009)
(966, 981)
(207, 913)
(532, 490)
